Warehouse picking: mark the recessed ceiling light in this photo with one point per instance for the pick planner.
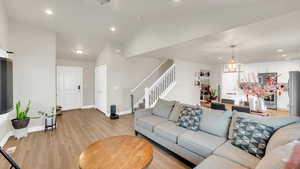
(113, 29)
(49, 12)
(279, 50)
(79, 52)
(118, 51)
(220, 58)
(284, 55)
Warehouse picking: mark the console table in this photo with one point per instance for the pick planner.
(120, 152)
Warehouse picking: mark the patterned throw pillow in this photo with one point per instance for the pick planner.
(190, 118)
(251, 136)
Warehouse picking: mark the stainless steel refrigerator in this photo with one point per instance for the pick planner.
(294, 93)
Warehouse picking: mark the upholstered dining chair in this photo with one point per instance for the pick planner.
(241, 109)
(218, 106)
(227, 101)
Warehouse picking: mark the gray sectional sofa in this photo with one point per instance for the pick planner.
(211, 148)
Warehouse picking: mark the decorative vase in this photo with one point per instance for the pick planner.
(50, 120)
(257, 104)
(261, 106)
(252, 103)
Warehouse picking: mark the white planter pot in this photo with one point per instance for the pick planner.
(253, 103)
(257, 104)
(21, 133)
(261, 106)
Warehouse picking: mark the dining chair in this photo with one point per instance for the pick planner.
(218, 106)
(241, 109)
(227, 101)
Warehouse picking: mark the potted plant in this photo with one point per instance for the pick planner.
(21, 121)
(213, 94)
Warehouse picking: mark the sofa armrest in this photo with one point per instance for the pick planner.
(143, 112)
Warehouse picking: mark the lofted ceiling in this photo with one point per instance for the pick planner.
(256, 42)
(85, 25)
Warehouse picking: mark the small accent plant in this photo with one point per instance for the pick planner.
(213, 92)
(22, 115)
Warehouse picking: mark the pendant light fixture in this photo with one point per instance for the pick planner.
(233, 66)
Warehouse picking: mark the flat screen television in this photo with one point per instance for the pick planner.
(6, 85)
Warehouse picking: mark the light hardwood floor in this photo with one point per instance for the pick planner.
(77, 129)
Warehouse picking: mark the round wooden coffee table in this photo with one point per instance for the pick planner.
(120, 152)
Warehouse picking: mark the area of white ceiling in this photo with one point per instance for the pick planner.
(201, 23)
(85, 25)
(256, 42)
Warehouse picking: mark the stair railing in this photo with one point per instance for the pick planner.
(160, 88)
(138, 93)
(9, 159)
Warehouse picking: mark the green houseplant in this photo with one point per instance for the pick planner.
(213, 94)
(22, 120)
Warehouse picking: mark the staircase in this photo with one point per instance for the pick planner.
(153, 87)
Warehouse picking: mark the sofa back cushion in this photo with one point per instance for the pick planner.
(163, 108)
(215, 122)
(175, 113)
(283, 136)
(278, 158)
(275, 122)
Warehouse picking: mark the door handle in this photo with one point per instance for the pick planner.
(78, 87)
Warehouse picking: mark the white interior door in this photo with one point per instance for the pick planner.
(69, 87)
(101, 88)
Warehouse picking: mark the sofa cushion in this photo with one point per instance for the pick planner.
(149, 122)
(216, 162)
(278, 158)
(215, 122)
(175, 113)
(252, 136)
(190, 118)
(163, 108)
(169, 131)
(283, 136)
(237, 155)
(200, 142)
(275, 122)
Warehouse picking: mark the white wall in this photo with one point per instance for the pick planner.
(4, 123)
(34, 67)
(185, 91)
(124, 74)
(88, 78)
(282, 68)
(3, 26)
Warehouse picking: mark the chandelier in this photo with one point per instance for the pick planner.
(233, 66)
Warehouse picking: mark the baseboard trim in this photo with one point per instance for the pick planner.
(11, 133)
(122, 113)
(36, 129)
(5, 138)
(88, 107)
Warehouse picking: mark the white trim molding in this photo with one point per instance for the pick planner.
(36, 129)
(122, 113)
(88, 107)
(11, 133)
(5, 138)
